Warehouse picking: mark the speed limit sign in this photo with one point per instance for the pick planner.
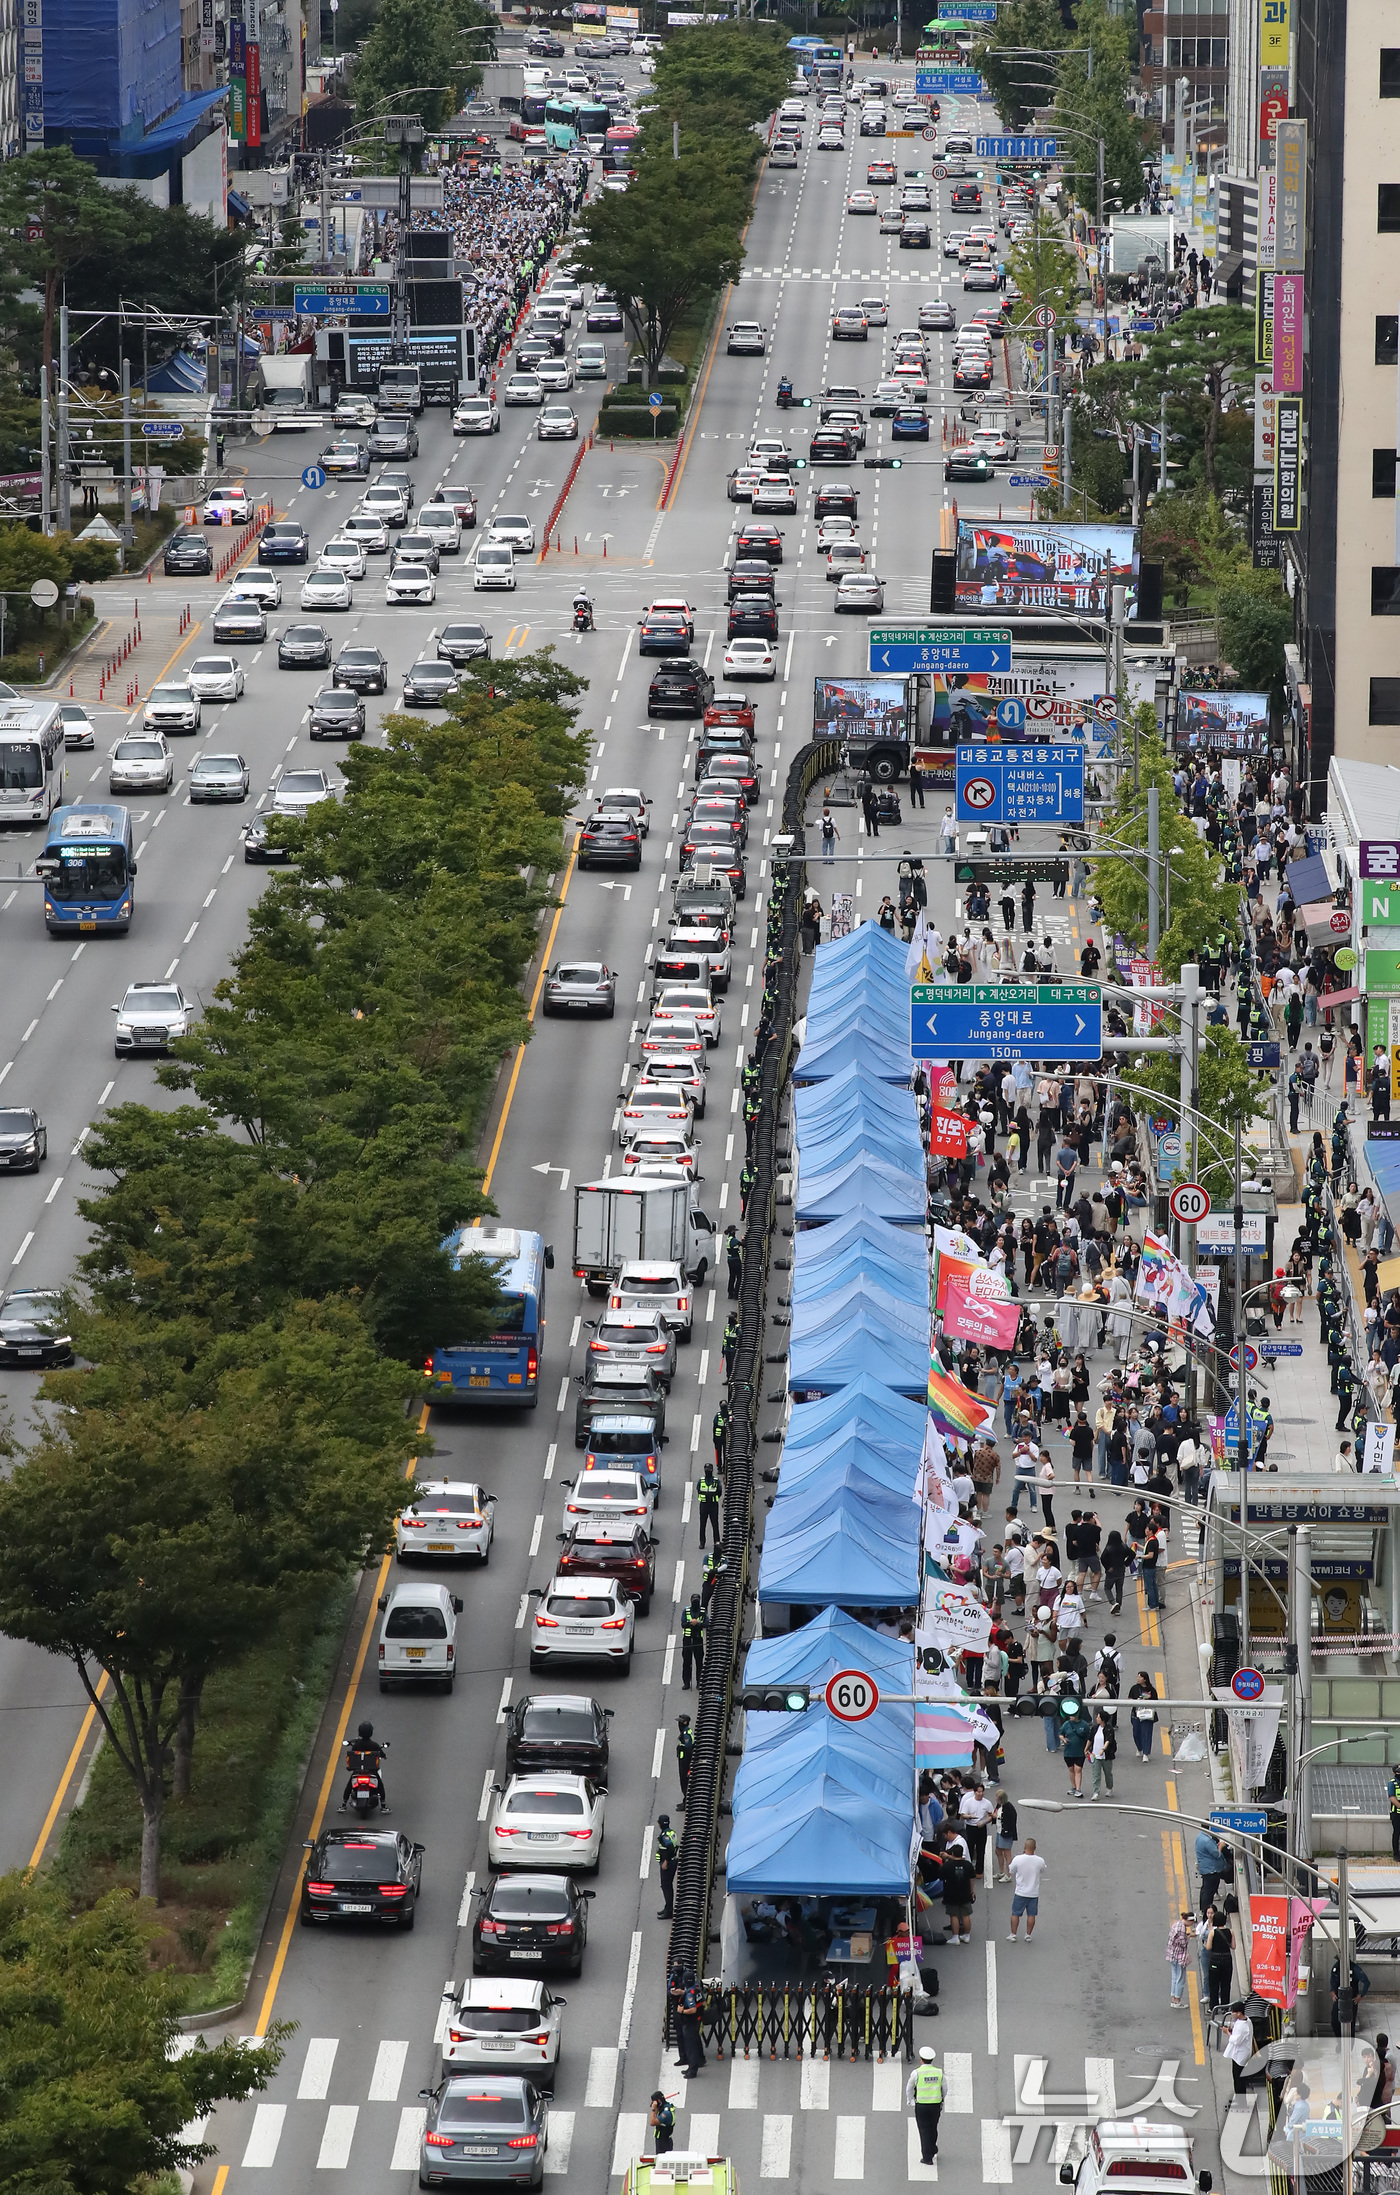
(851, 1695)
(1189, 1203)
(1044, 316)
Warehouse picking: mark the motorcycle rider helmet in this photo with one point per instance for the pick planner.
(365, 1730)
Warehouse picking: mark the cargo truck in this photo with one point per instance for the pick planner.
(623, 1222)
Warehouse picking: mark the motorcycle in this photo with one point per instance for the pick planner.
(583, 618)
(364, 1794)
(785, 395)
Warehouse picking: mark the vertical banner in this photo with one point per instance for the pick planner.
(1380, 1449)
(1268, 215)
(1273, 34)
(1252, 1735)
(1288, 334)
(254, 95)
(1265, 424)
(1264, 318)
(1291, 162)
(1264, 541)
(1288, 466)
(1278, 1927)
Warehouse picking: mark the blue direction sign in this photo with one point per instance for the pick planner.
(1231, 1433)
(940, 648)
(314, 477)
(1032, 480)
(1280, 1349)
(1006, 1020)
(964, 83)
(370, 300)
(1263, 1055)
(1016, 148)
(967, 11)
(1246, 1821)
(163, 430)
(1016, 784)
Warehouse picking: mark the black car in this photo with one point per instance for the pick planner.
(257, 846)
(548, 49)
(757, 538)
(283, 543)
(966, 465)
(365, 669)
(610, 840)
(750, 575)
(533, 1922)
(967, 198)
(464, 641)
(304, 647)
(188, 552)
(755, 616)
(362, 1874)
(563, 1734)
(831, 446)
(916, 236)
(973, 371)
(679, 688)
(729, 757)
(34, 1327)
(24, 1140)
(428, 684)
(606, 1547)
(835, 500)
(338, 712)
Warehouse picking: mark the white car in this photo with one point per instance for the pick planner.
(298, 790)
(557, 423)
(546, 1821)
(835, 528)
(172, 706)
(774, 492)
(862, 202)
(503, 2024)
(387, 504)
(327, 588)
(554, 374)
(583, 1619)
(513, 528)
(656, 1285)
(607, 1493)
(77, 725)
(447, 1517)
(747, 339)
(562, 289)
(410, 582)
(747, 658)
(227, 507)
(627, 800)
(418, 1637)
(783, 155)
(216, 678)
(148, 1017)
(992, 444)
(346, 553)
(354, 411)
(859, 591)
(842, 557)
(524, 388)
(876, 310)
(493, 565)
(591, 361)
(371, 533)
(257, 585)
(476, 415)
(143, 765)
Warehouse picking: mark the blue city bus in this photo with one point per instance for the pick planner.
(89, 870)
(505, 1366)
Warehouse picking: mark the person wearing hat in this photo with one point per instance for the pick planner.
(924, 2090)
(668, 1852)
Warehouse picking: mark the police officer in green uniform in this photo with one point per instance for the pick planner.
(720, 1431)
(694, 1624)
(730, 1343)
(708, 1489)
(668, 1852)
(925, 2091)
(1346, 1389)
(710, 1577)
(685, 1749)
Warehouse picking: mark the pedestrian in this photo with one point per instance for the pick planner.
(1149, 1555)
(668, 1852)
(1239, 2046)
(662, 2119)
(870, 810)
(1393, 1797)
(1103, 1752)
(1027, 1867)
(735, 1256)
(1144, 1716)
(1220, 1958)
(1178, 1953)
(1006, 1836)
(948, 832)
(916, 786)
(1046, 1477)
(688, 2038)
(708, 1489)
(924, 2090)
(685, 1750)
(1115, 1563)
(959, 1893)
(830, 835)
(976, 1812)
(694, 1625)
(1210, 1860)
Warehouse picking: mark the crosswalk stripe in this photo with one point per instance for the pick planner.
(315, 2083)
(630, 2139)
(888, 2086)
(266, 2133)
(703, 2139)
(775, 2156)
(743, 2084)
(816, 2084)
(673, 2084)
(408, 2142)
(917, 2169)
(849, 2162)
(602, 2078)
(388, 2072)
(1100, 2088)
(996, 2154)
(561, 2141)
(336, 2140)
(957, 2080)
(1065, 2132)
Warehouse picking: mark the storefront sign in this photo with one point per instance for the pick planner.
(1273, 34)
(1379, 857)
(1218, 1232)
(1264, 424)
(1382, 970)
(1264, 319)
(1288, 466)
(1288, 334)
(1264, 542)
(1278, 1930)
(1268, 215)
(1291, 161)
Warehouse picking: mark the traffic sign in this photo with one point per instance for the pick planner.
(1247, 1684)
(1246, 1821)
(967, 11)
(1269, 1349)
(1016, 148)
(1016, 784)
(929, 83)
(1006, 1020)
(314, 477)
(1188, 1202)
(1032, 480)
(852, 1695)
(655, 401)
(1251, 1357)
(163, 430)
(1044, 316)
(940, 648)
(370, 300)
(44, 593)
(1037, 342)
(1011, 714)
(1230, 1433)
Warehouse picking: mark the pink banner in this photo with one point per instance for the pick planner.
(1288, 334)
(1277, 1929)
(978, 1318)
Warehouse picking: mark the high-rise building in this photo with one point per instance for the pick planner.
(108, 78)
(11, 127)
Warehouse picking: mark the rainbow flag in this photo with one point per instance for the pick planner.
(956, 1412)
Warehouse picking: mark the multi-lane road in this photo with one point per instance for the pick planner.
(367, 2010)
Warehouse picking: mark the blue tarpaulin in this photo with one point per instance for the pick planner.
(907, 1283)
(823, 1841)
(866, 1182)
(844, 1141)
(831, 1641)
(891, 1469)
(870, 949)
(819, 1250)
(864, 1756)
(869, 1407)
(829, 1546)
(863, 1040)
(846, 1094)
(859, 1329)
(1384, 1162)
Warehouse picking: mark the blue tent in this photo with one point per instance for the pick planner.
(862, 1303)
(890, 1470)
(830, 1546)
(854, 1091)
(865, 1040)
(823, 1841)
(1384, 1162)
(857, 993)
(839, 1144)
(870, 949)
(831, 1641)
(861, 1233)
(868, 1407)
(881, 1188)
(863, 1756)
(858, 1261)
(862, 1337)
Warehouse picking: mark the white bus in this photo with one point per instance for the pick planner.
(31, 760)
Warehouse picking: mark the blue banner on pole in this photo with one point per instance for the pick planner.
(1010, 783)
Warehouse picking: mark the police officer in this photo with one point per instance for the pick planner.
(694, 1624)
(1346, 1389)
(708, 1489)
(709, 1577)
(924, 2090)
(1393, 1794)
(685, 1748)
(219, 451)
(730, 1343)
(688, 2038)
(733, 1250)
(746, 1182)
(662, 2119)
(720, 1431)
(668, 1852)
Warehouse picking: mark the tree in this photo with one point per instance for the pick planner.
(740, 69)
(1090, 105)
(1256, 624)
(175, 261)
(676, 234)
(1202, 364)
(96, 2101)
(1016, 58)
(1047, 274)
(415, 56)
(1226, 1091)
(1202, 903)
(54, 213)
(1193, 540)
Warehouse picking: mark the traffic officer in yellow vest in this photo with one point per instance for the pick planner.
(1393, 1794)
(924, 2090)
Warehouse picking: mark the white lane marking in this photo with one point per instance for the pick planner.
(775, 2155)
(54, 1191)
(339, 2134)
(992, 2014)
(261, 2151)
(668, 1661)
(996, 2154)
(315, 2083)
(107, 1093)
(646, 1852)
(917, 2169)
(209, 900)
(549, 1459)
(54, 992)
(191, 930)
(29, 1032)
(535, 1541)
(957, 2080)
(634, 1960)
(676, 1590)
(484, 1807)
(23, 1247)
(657, 1752)
(388, 2073)
(504, 1701)
(561, 2141)
(888, 2090)
(816, 2084)
(743, 2084)
(685, 1503)
(695, 1433)
(227, 866)
(464, 1910)
(602, 2078)
(849, 2161)
(629, 2141)
(520, 1612)
(1099, 2083)
(563, 1392)
(408, 2142)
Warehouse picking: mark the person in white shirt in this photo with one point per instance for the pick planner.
(1069, 1612)
(1027, 1867)
(1239, 2046)
(975, 1812)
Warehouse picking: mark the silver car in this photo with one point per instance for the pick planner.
(635, 1337)
(557, 423)
(501, 2023)
(216, 677)
(524, 388)
(860, 591)
(580, 987)
(483, 2129)
(149, 1016)
(298, 790)
(218, 777)
(143, 765)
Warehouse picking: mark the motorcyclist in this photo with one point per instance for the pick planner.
(784, 391)
(583, 610)
(363, 1754)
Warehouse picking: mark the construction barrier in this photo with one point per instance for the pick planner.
(563, 496)
(826, 2018)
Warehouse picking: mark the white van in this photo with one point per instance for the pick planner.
(493, 565)
(418, 1637)
(441, 521)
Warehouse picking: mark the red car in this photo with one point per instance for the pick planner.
(606, 1547)
(730, 708)
(463, 503)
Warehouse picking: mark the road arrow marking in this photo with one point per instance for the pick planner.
(610, 885)
(561, 1171)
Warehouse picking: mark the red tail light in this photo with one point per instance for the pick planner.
(614, 1623)
(502, 1831)
(542, 1623)
(559, 1928)
(438, 2141)
(493, 1928)
(523, 2141)
(532, 1363)
(321, 1890)
(393, 1890)
(470, 1524)
(414, 1524)
(578, 1832)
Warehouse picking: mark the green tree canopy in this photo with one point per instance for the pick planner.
(1097, 103)
(1202, 903)
(415, 56)
(740, 70)
(1203, 364)
(1016, 56)
(677, 233)
(54, 213)
(1256, 623)
(1047, 274)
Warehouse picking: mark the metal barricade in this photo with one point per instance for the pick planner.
(825, 2018)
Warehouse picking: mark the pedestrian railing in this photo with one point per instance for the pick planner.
(820, 2019)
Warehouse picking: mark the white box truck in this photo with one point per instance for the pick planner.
(286, 390)
(622, 1222)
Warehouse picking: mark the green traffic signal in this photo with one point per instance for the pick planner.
(767, 1699)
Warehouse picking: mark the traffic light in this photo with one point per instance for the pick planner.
(883, 464)
(774, 1699)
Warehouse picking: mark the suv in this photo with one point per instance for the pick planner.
(609, 1547)
(757, 537)
(680, 687)
(364, 669)
(283, 543)
(418, 1637)
(188, 552)
(612, 1390)
(149, 1016)
(650, 1285)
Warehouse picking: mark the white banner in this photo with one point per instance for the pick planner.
(951, 1618)
(1380, 1448)
(1252, 1737)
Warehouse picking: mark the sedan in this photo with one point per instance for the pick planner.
(218, 777)
(953, 243)
(347, 554)
(24, 1141)
(515, 530)
(477, 415)
(141, 766)
(982, 275)
(651, 1147)
(258, 586)
(304, 647)
(557, 423)
(937, 314)
(603, 317)
(173, 707)
(215, 678)
(34, 1327)
(362, 1874)
(371, 533)
(227, 507)
(534, 1921)
(503, 2026)
(429, 683)
(77, 725)
(830, 140)
(889, 397)
(746, 657)
(452, 1517)
(546, 1821)
(464, 641)
(338, 712)
(327, 588)
(966, 465)
(859, 591)
(612, 840)
(880, 171)
(479, 2129)
(411, 582)
(347, 457)
(580, 987)
(524, 388)
(150, 1016)
(366, 669)
(582, 1619)
(862, 202)
(910, 426)
(555, 374)
(833, 529)
(298, 790)
(354, 411)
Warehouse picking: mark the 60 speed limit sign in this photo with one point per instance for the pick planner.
(1189, 1203)
(851, 1695)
